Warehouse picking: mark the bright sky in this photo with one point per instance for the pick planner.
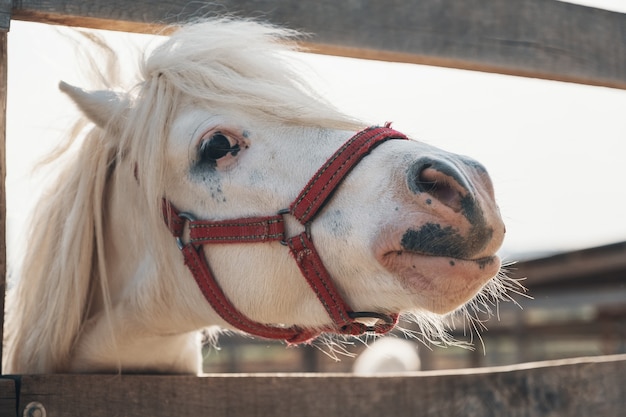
(555, 150)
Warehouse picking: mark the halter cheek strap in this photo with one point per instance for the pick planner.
(304, 208)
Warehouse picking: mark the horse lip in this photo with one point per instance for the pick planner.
(440, 284)
(483, 260)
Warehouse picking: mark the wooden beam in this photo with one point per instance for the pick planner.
(5, 14)
(587, 267)
(8, 397)
(534, 38)
(576, 388)
(3, 172)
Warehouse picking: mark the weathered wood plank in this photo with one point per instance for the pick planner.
(5, 14)
(576, 388)
(535, 38)
(3, 171)
(591, 267)
(8, 397)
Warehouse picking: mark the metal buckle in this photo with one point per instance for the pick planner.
(307, 225)
(189, 218)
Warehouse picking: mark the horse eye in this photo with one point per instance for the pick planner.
(216, 147)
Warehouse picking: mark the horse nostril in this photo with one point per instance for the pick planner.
(439, 180)
(436, 184)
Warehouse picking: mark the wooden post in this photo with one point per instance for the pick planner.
(3, 205)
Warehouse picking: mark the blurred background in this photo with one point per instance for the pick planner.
(555, 151)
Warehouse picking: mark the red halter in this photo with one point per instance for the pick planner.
(271, 229)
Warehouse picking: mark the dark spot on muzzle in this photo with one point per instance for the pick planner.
(472, 211)
(472, 163)
(432, 239)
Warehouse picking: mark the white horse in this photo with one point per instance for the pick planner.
(133, 250)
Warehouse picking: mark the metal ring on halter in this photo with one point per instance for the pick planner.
(371, 315)
(307, 225)
(190, 218)
(282, 212)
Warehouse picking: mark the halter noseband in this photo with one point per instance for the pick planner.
(271, 229)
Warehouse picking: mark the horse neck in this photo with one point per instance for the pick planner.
(128, 327)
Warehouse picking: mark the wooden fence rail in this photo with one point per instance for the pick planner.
(534, 38)
(580, 387)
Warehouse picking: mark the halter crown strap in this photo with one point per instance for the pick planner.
(270, 229)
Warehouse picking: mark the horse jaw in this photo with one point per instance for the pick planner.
(101, 107)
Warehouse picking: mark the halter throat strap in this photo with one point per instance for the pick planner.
(304, 208)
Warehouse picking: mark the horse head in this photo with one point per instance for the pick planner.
(221, 131)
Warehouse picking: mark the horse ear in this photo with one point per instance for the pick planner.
(101, 106)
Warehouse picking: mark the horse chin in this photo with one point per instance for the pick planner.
(442, 284)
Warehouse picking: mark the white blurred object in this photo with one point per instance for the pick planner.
(388, 355)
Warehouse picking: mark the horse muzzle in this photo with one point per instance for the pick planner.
(443, 245)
